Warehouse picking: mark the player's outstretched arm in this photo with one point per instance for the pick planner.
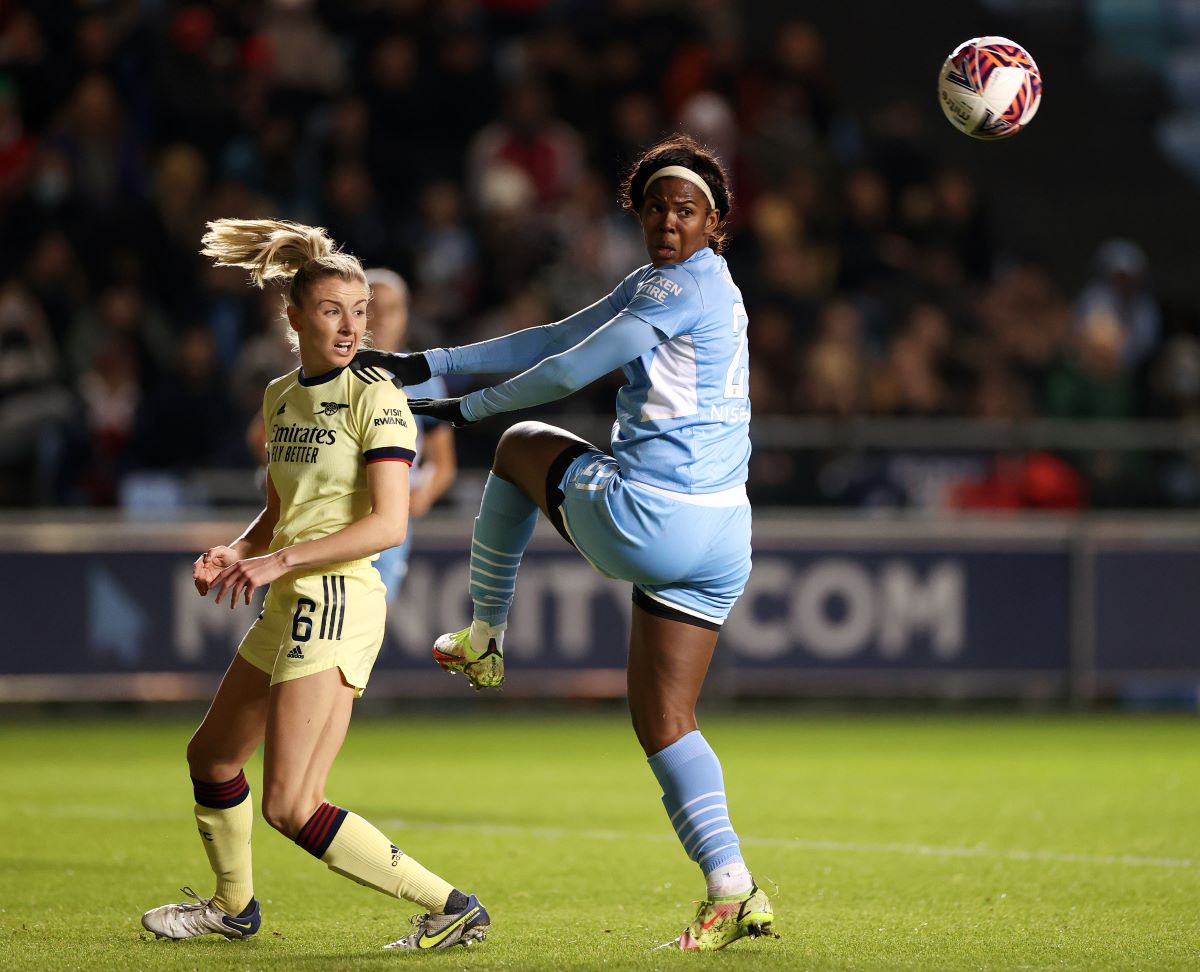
(503, 355)
(619, 341)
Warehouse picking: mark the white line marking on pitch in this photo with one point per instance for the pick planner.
(80, 811)
(797, 843)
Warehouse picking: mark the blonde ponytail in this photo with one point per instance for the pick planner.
(278, 248)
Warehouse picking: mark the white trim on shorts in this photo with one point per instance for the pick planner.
(734, 496)
(679, 607)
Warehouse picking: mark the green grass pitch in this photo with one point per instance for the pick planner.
(887, 842)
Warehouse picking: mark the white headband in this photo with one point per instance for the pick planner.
(682, 172)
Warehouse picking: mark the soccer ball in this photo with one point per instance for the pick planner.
(989, 87)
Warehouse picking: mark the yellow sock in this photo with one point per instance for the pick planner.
(351, 846)
(225, 819)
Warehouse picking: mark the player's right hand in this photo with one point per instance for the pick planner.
(409, 369)
(209, 564)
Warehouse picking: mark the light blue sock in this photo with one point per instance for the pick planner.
(694, 794)
(502, 532)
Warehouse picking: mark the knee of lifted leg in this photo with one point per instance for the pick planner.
(521, 430)
(509, 440)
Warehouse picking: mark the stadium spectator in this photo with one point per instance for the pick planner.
(112, 395)
(436, 464)
(102, 150)
(913, 378)
(531, 138)
(444, 254)
(121, 311)
(194, 390)
(836, 365)
(1092, 380)
(775, 363)
(1120, 291)
(35, 410)
(16, 146)
(263, 355)
(871, 252)
(352, 211)
(1024, 323)
(55, 277)
(1175, 376)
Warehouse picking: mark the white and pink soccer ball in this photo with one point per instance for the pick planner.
(990, 87)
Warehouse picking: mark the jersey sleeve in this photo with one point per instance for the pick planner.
(387, 431)
(618, 342)
(669, 299)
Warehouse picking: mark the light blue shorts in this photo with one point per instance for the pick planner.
(392, 565)
(688, 556)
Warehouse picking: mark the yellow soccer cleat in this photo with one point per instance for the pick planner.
(477, 652)
(722, 921)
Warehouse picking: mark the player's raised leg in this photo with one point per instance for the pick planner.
(515, 491)
(668, 660)
(231, 731)
(306, 725)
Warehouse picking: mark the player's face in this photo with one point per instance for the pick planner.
(676, 220)
(388, 317)
(330, 324)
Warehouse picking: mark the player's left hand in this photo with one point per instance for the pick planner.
(246, 576)
(445, 409)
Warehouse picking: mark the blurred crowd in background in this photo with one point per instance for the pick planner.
(476, 148)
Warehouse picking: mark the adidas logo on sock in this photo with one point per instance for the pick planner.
(295, 653)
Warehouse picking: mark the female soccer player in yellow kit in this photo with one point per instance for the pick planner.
(340, 441)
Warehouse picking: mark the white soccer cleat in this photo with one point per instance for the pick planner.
(201, 917)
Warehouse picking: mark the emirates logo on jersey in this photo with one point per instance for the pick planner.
(331, 408)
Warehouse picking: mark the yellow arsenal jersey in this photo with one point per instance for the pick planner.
(321, 434)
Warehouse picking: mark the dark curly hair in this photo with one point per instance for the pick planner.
(682, 150)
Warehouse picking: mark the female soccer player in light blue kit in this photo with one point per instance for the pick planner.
(667, 510)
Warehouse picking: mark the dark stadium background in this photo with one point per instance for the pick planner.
(975, 366)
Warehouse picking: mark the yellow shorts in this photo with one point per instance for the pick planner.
(314, 622)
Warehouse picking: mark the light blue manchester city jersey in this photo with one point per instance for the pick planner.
(683, 419)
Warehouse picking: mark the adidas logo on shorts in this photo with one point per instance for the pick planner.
(295, 653)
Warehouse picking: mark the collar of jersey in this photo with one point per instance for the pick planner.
(701, 254)
(320, 379)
